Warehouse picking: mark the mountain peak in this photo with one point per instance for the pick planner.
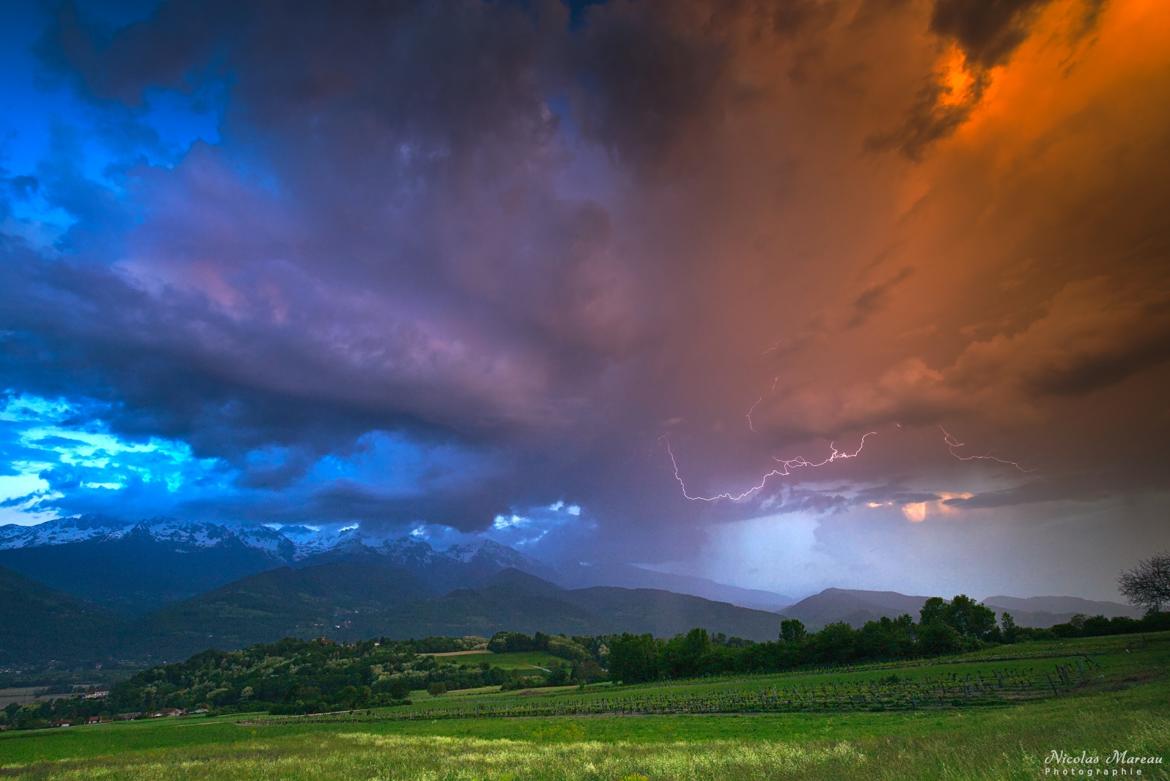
(488, 550)
(409, 550)
(60, 531)
(512, 580)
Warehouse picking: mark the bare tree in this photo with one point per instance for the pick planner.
(1148, 584)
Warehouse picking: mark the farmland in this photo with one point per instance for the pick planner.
(873, 688)
(1001, 711)
(508, 660)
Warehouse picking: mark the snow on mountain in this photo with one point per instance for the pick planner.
(409, 552)
(60, 532)
(208, 535)
(486, 557)
(146, 563)
(183, 534)
(311, 540)
(489, 551)
(292, 542)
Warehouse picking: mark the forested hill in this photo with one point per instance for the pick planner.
(347, 599)
(353, 600)
(37, 622)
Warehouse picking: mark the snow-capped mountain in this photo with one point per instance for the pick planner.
(208, 535)
(59, 532)
(137, 566)
(88, 528)
(286, 543)
(483, 558)
(491, 551)
(410, 552)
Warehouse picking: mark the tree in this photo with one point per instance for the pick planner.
(587, 671)
(1148, 584)
(633, 658)
(886, 638)
(398, 688)
(938, 637)
(834, 644)
(558, 674)
(436, 689)
(1011, 632)
(792, 631)
(686, 655)
(933, 610)
(969, 618)
(504, 642)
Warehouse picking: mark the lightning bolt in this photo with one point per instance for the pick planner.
(789, 465)
(953, 446)
(786, 468)
(759, 401)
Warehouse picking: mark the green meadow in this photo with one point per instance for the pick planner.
(508, 660)
(1119, 700)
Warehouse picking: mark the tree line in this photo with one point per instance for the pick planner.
(942, 628)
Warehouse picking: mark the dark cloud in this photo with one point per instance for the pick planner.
(795, 18)
(1145, 344)
(647, 80)
(445, 260)
(987, 33)
(1089, 487)
(930, 118)
(987, 30)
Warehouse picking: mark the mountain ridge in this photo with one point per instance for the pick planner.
(36, 619)
(354, 599)
(856, 606)
(75, 555)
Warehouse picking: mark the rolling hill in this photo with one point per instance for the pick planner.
(353, 599)
(1046, 611)
(855, 607)
(42, 625)
(852, 606)
(341, 599)
(632, 576)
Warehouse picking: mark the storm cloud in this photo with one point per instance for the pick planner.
(434, 262)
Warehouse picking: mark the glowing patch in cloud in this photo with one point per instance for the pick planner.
(956, 82)
(513, 521)
(915, 512)
(946, 496)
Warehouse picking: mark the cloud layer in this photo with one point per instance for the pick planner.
(440, 263)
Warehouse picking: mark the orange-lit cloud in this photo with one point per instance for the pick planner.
(861, 214)
(955, 78)
(917, 512)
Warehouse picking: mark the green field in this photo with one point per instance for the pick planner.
(510, 660)
(853, 723)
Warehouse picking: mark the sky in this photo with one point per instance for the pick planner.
(857, 293)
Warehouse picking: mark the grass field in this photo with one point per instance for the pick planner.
(511, 660)
(1121, 702)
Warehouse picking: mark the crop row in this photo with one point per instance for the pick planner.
(944, 691)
